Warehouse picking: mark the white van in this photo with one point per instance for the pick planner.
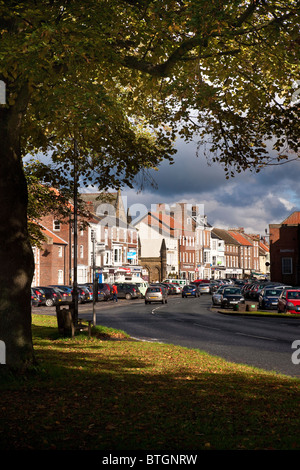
(181, 282)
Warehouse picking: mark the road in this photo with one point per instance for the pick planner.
(262, 342)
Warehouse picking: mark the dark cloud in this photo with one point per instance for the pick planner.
(251, 200)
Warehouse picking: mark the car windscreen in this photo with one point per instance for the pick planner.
(273, 292)
(293, 294)
(232, 291)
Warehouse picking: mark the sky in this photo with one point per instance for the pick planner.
(250, 200)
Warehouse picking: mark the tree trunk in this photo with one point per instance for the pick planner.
(16, 257)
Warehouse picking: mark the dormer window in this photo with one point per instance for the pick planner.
(56, 225)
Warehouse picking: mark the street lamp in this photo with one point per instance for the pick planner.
(93, 238)
(75, 284)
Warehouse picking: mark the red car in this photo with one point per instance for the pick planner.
(289, 301)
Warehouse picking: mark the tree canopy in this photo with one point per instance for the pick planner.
(122, 79)
(125, 77)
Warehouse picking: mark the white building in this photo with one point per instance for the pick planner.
(113, 241)
(218, 266)
(158, 244)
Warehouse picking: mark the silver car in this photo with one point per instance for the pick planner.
(156, 294)
(204, 288)
(217, 296)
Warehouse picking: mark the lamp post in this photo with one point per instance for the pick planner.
(93, 238)
(75, 284)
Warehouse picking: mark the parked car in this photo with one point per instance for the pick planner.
(84, 294)
(35, 301)
(170, 288)
(201, 281)
(66, 293)
(178, 288)
(52, 294)
(156, 294)
(191, 290)
(41, 295)
(99, 294)
(268, 297)
(127, 291)
(161, 285)
(231, 296)
(106, 289)
(204, 288)
(214, 286)
(289, 301)
(217, 296)
(142, 285)
(240, 282)
(246, 289)
(256, 289)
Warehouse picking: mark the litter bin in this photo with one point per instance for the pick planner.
(65, 319)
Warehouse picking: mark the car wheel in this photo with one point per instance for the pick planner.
(128, 296)
(49, 302)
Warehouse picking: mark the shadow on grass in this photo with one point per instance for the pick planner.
(127, 395)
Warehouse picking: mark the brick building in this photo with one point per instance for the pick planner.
(231, 253)
(284, 250)
(248, 251)
(193, 234)
(54, 260)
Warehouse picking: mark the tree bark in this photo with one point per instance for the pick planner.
(16, 257)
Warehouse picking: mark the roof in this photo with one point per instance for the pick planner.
(225, 235)
(241, 239)
(110, 221)
(264, 246)
(105, 204)
(292, 219)
(55, 238)
(164, 220)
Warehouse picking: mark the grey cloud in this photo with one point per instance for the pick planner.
(252, 200)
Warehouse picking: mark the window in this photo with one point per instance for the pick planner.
(107, 258)
(287, 265)
(81, 251)
(60, 251)
(56, 225)
(60, 277)
(117, 255)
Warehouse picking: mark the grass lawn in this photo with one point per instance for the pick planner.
(112, 393)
